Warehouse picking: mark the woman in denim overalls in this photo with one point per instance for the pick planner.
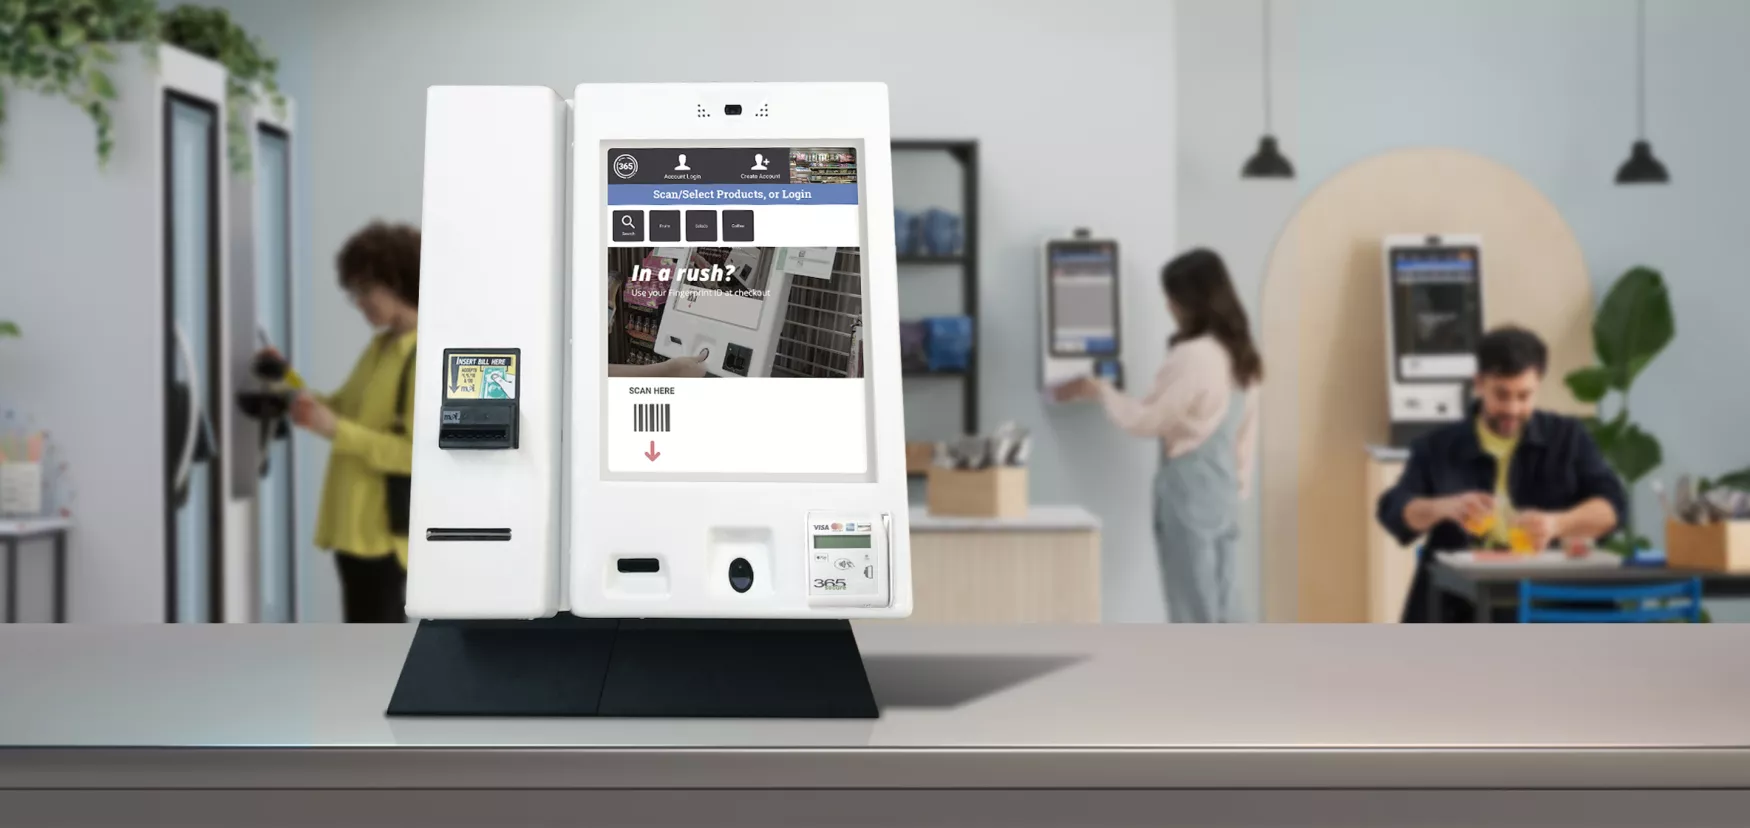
(1203, 408)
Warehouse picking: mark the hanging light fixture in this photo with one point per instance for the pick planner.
(1642, 167)
(1268, 161)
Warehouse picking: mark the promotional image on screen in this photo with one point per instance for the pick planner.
(740, 264)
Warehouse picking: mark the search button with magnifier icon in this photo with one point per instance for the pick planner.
(628, 225)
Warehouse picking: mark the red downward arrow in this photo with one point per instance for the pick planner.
(653, 453)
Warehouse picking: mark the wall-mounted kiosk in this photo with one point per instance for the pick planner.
(729, 401)
(1434, 319)
(1079, 311)
(261, 560)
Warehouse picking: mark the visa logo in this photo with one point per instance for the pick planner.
(821, 527)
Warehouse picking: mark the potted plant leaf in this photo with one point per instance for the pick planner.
(1633, 325)
(66, 48)
(62, 48)
(249, 69)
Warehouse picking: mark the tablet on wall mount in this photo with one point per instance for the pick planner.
(736, 444)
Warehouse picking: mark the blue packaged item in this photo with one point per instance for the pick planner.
(941, 233)
(914, 347)
(905, 232)
(949, 342)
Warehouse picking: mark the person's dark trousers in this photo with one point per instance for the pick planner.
(372, 590)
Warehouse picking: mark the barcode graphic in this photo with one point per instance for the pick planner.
(650, 417)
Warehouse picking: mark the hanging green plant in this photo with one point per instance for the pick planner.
(64, 48)
(212, 34)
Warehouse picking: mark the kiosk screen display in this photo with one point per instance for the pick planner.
(1436, 309)
(735, 302)
(1084, 298)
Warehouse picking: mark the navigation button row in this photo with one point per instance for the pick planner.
(670, 226)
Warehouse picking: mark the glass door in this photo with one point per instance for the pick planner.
(278, 586)
(192, 406)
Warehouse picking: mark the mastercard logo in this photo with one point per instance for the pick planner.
(837, 526)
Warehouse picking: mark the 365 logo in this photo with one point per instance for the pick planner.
(625, 166)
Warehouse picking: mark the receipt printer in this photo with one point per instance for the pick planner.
(480, 399)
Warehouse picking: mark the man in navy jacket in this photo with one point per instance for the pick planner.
(1545, 466)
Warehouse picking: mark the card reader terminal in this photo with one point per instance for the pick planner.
(480, 398)
(847, 557)
(1110, 370)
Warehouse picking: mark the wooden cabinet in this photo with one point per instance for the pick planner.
(1390, 567)
(1042, 567)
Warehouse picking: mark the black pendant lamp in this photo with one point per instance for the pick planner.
(1268, 161)
(1642, 167)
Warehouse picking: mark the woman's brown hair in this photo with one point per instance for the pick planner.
(1198, 284)
(385, 255)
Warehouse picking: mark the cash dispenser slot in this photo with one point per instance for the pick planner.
(450, 534)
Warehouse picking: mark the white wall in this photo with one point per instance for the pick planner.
(90, 371)
(1073, 105)
(1545, 86)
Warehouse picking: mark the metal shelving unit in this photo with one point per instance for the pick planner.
(965, 152)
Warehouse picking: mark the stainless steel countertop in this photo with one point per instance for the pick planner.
(1123, 706)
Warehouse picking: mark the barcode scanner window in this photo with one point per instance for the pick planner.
(650, 417)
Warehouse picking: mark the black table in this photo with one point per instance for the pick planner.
(15, 531)
(1489, 588)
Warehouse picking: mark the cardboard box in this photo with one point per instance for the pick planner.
(918, 456)
(1722, 546)
(997, 492)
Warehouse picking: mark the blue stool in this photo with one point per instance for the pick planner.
(1611, 601)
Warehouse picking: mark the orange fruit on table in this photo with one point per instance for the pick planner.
(1520, 542)
(1480, 526)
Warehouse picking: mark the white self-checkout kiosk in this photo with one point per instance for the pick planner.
(658, 379)
(1079, 311)
(1434, 320)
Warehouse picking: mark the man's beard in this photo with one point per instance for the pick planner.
(1505, 426)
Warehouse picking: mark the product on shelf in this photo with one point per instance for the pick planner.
(905, 232)
(940, 232)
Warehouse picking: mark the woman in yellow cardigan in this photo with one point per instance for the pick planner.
(379, 269)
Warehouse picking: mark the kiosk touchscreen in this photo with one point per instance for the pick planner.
(1079, 300)
(735, 434)
(1434, 307)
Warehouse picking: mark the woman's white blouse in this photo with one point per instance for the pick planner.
(1187, 404)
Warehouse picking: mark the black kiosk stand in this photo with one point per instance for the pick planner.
(570, 666)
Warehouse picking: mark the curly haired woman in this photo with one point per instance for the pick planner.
(371, 442)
